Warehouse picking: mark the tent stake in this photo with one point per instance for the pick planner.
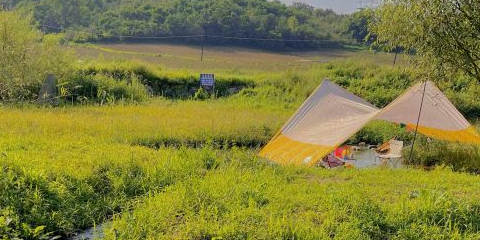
(418, 121)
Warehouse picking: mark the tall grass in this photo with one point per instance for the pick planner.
(66, 196)
(248, 199)
(64, 169)
(179, 84)
(67, 168)
(460, 157)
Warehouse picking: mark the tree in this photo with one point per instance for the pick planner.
(26, 57)
(106, 19)
(445, 34)
(358, 26)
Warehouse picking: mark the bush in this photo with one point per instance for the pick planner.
(201, 94)
(105, 89)
(459, 157)
(378, 132)
(166, 83)
(27, 57)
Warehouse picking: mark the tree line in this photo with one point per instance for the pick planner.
(92, 20)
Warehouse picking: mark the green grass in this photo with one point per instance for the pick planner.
(238, 59)
(375, 83)
(244, 198)
(68, 168)
(73, 167)
(177, 168)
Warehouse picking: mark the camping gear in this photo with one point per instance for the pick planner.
(327, 119)
(341, 156)
(330, 161)
(384, 148)
(338, 158)
(391, 151)
(331, 115)
(439, 119)
(344, 153)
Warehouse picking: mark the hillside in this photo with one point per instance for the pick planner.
(84, 20)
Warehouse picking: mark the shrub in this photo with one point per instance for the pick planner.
(459, 157)
(102, 88)
(27, 57)
(201, 94)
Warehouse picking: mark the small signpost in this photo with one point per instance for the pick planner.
(207, 81)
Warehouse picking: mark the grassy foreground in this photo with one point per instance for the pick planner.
(182, 165)
(65, 169)
(245, 198)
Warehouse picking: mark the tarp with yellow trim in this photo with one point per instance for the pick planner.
(328, 118)
(331, 115)
(438, 118)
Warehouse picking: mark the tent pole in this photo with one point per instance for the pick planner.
(418, 121)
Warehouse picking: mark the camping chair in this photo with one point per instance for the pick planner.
(384, 148)
(395, 153)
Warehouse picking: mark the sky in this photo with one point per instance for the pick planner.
(339, 6)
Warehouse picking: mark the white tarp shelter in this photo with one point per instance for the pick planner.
(331, 115)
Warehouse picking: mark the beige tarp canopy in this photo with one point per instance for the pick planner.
(331, 115)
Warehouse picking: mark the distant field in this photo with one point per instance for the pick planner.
(235, 58)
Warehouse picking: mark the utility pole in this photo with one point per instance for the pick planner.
(203, 45)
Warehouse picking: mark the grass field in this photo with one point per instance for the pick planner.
(221, 58)
(167, 168)
(69, 168)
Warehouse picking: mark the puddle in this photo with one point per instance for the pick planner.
(366, 158)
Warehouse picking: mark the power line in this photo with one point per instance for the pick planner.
(274, 39)
(205, 36)
(121, 36)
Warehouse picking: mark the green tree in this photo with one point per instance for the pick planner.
(445, 34)
(27, 56)
(106, 19)
(358, 25)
